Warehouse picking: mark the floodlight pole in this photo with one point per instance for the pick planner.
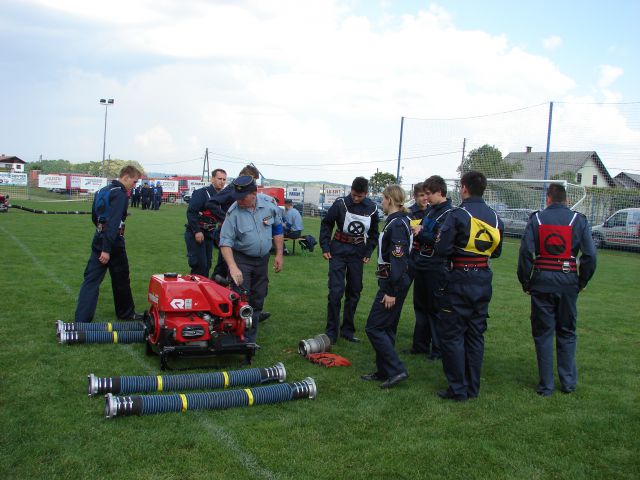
(400, 149)
(546, 158)
(106, 103)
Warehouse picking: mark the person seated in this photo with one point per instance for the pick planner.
(292, 220)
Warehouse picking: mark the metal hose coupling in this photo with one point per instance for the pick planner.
(248, 397)
(318, 344)
(187, 381)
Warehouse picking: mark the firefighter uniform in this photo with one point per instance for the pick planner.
(548, 270)
(468, 237)
(145, 196)
(200, 220)
(250, 233)
(428, 274)
(157, 196)
(355, 238)
(109, 212)
(394, 281)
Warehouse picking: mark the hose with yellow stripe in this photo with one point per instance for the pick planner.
(72, 338)
(150, 404)
(191, 381)
(98, 327)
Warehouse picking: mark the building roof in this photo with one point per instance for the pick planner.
(10, 159)
(533, 164)
(628, 180)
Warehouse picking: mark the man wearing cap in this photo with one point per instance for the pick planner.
(356, 220)
(251, 226)
(292, 220)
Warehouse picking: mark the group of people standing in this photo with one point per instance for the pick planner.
(443, 250)
(147, 195)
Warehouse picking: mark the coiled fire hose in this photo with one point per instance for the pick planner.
(150, 404)
(192, 381)
(97, 327)
(72, 338)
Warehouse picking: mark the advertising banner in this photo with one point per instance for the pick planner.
(52, 181)
(195, 184)
(169, 186)
(295, 193)
(331, 194)
(13, 179)
(92, 184)
(75, 182)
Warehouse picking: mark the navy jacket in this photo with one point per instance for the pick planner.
(196, 211)
(535, 280)
(395, 250)
(335, 217)
(422, 255)
(113, 217)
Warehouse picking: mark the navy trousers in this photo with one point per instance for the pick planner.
(255, 274)
(555, 314)
(199, 254)
(461, 324)
(343, 267)
(381, 328)
(425, 336)
(94, 273)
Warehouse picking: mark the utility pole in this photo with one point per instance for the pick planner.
(205, 165)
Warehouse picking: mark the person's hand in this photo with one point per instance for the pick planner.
(104, 257)
(365, 260)
(278, 262)
(326, 255)
(388, 301)
(199, 237)
(236, 275)
(416, 229)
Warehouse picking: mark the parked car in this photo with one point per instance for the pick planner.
(621, 229)
(515, 220)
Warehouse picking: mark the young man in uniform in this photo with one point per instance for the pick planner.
(469, 236)
(549, 272)
(109, 212)
(292, 220)
(356, 220)
(201, 224)
(429, 272)
(251, 226)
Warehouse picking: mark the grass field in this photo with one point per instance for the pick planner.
(51, 429)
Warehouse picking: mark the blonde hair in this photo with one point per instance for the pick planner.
(396, 195)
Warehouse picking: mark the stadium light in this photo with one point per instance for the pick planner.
(106, 103)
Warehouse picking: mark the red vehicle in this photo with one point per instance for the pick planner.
(275, 192)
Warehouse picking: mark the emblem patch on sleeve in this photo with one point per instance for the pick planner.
(397, 251)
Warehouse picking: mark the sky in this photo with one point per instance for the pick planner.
(315, 90)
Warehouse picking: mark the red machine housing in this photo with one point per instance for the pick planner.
(193, 315)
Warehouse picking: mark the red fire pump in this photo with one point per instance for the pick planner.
(191, 315)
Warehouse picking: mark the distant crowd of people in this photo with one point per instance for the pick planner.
(147, 195)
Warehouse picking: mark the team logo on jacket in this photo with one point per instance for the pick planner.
(397, 251)
(483, 238)
(555, 240)
(356, 228)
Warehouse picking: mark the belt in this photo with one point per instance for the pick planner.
(207, 226)
(383, 270)
(423, 250)
(101, 227)
(555, 264)
(352, 239)
(465, 263)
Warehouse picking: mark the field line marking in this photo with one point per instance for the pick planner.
(37, 262)
(247, 460)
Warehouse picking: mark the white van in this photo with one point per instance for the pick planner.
(621, 229)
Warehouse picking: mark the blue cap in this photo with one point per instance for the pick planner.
(243, 186)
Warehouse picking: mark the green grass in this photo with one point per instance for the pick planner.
(51, 429)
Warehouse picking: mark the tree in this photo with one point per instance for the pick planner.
(488, 160)
(112, 167)
(380, 180)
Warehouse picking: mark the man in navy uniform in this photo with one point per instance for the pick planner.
(356, 220)
(145, 196)
(201, 224)
(157, 196)
(109, 211)
(429, 271)
(469, 236)
(549, 272)
(252, 225)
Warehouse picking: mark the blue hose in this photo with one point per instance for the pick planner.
(150, 404)
(102, 337)
(192, 381)
(97, 327)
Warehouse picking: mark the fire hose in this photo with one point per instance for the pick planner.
(72, 338)
(97, 327)
(33, 210)
(151, 404)
(195, 381)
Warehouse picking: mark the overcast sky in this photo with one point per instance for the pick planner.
(315, 89)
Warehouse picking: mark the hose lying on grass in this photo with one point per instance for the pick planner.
(73, 338)
(151, 404)
(33, 210)
(97, 327)
(192, 381)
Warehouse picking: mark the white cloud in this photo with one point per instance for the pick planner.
(552, 42)
(608, 75)
(157, 138)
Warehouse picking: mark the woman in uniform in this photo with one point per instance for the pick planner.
(394, 245)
